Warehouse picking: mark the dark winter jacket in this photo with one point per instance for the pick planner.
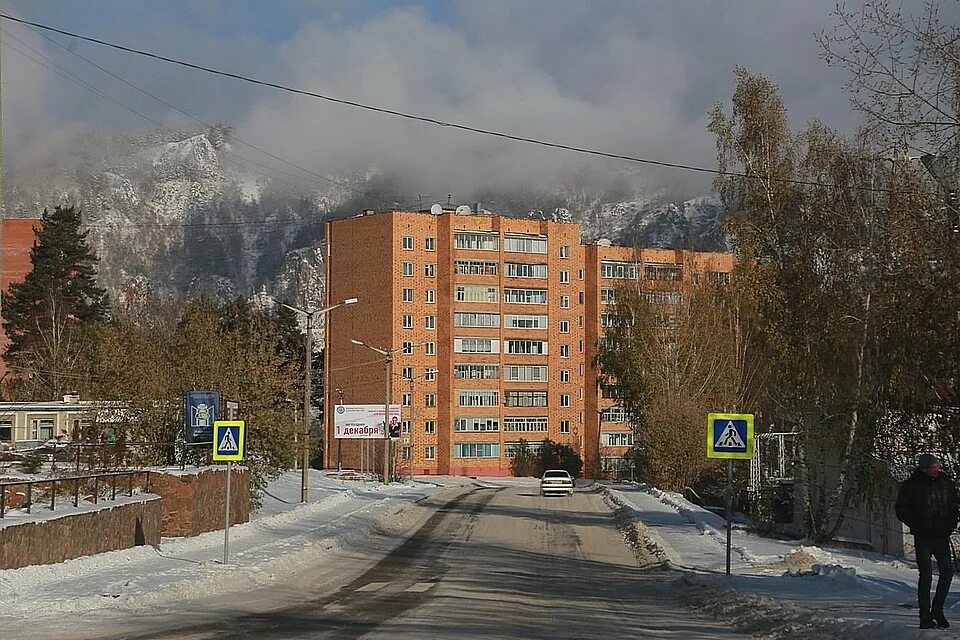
(929, 506)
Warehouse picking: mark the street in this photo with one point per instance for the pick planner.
(489, 563)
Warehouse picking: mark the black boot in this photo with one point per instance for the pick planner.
(941, 621)
(926, 622)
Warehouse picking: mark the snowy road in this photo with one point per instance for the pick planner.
(488, 562)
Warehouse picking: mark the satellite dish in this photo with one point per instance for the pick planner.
(436, 209)
(464, 210)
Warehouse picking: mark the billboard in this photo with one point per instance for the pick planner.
(201, 409)
(362, 421)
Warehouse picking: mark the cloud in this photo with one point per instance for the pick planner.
(633, 77)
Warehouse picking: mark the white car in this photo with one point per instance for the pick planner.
(556, 482)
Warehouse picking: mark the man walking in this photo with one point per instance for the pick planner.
(928, 504)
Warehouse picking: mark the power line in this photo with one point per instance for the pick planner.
(425, 119)
(59, 70)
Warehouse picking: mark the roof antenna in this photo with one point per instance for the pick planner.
(419, 202)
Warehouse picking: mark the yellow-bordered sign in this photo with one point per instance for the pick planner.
(730, 435)
(228, 440)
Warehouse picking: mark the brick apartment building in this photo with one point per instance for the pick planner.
(19, 235)
(493, 324)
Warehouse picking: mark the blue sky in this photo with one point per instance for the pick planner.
(627, 76)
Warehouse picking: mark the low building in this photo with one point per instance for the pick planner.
(25, 425)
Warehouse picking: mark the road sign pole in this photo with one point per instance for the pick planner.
(729, 509)
(226, 523)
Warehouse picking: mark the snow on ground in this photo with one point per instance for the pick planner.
(782, 588)
(281, 536)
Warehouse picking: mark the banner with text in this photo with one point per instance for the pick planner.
(362, 420)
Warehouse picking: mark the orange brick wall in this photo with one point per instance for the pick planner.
(193, 503)
(18, 237)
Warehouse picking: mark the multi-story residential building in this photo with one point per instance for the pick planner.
(492, 324)
(665, 276)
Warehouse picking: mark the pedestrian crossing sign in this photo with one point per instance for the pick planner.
(730, 435)
(228, 440)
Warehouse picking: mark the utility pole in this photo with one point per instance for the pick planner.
(386, 421)
(339, 440)
(307, 380)
(410, 434)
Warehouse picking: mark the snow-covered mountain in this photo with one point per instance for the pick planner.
(183, 213)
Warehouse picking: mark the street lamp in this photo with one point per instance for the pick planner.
(388, 362)
(307, 380)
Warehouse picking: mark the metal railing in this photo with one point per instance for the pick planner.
(113, 476)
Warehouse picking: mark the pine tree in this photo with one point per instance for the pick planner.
(44, 316)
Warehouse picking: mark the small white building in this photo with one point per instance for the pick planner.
(25, 425)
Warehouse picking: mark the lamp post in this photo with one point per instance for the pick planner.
(388, 362)
(307, 384)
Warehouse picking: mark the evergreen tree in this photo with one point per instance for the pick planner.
(45, 315)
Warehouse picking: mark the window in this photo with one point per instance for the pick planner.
(581, 346)
(408, 295)
(430, 244)
(611, 391)
(564, 326)
(430, 296)
(525, 244)
(430, 270)
(476, 450)
(476, 424)
(41, 429)
(620, 270)
(527, 347)
(564, 277)
(430, 348)
(475, 293)
(581, 297)
(407, 399)
(477, 267)
(406, 452)
(525, 296)
(671, 272)
(430, 322)
(510, 448)
(564, 302)
(525, 373)
(564, 375)
(580, 274)
(477, 241)
(719, 277)
(523, 270)
(405, 426)
(407, 321)
(564, 251)
(608, 295)
(615, 414)
(525, 322)
(476, 345)
(663, 297)
(525, 424)
(430, 374)
(407, 373)
(617, 439)
(476, 371)
(580, 322)
(6, 431)
(430, 426)
(408, 243)
(430, 400)
(429, 453)
(564, 399)
(525, 398)
(408, 269)
(406, 348)
(478, 398)
(471, 319)
(564, 426)
(564, 351)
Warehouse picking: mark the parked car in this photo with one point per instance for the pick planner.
(556, 482)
